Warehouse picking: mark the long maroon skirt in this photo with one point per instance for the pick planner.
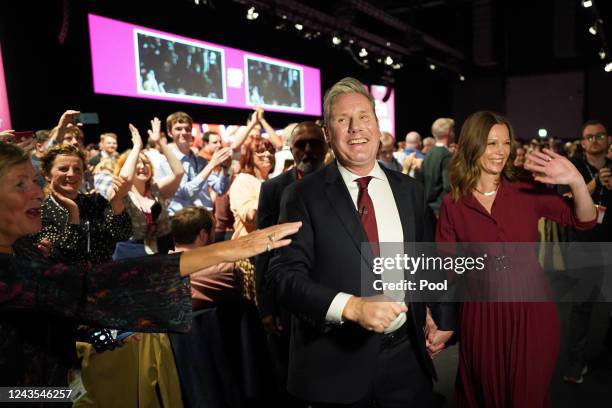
(507, 354)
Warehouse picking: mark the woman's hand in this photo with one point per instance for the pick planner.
(155, 131)
(119, 189)
(267, 239)
(136, 139)
(74, 215)
(552, 168)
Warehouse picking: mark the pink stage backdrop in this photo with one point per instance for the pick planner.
(5, 117)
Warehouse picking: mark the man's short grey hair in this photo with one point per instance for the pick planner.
(441, 127)
(345, 85)
(386, 138)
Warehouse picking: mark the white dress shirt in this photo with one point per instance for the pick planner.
(390, 233)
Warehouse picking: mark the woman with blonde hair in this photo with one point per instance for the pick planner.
(507, 349)
(146, 202)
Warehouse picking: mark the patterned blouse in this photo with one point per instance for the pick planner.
(93, 240)
(39, 298)
(151, 225)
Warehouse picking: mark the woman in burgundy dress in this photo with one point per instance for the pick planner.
(507, 350)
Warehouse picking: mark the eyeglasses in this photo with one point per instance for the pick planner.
(599, 136)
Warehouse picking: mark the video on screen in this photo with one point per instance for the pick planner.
(274, 84)
(169, 67)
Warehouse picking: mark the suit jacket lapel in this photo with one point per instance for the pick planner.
(340, 200)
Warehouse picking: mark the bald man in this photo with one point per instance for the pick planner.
(413, 144)
(308, 147)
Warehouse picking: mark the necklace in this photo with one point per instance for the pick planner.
(488, 193)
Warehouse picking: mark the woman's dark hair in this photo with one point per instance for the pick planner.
(464, 170)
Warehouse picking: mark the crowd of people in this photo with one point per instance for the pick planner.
(283, 313)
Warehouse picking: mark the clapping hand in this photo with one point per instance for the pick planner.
(74, 215)
(259, 114)
(136, 138)
(220, 156)
(155, 131)
(552, 168)
(119, 189)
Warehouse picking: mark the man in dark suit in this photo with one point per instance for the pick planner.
(434, 171)
(348, 347)
(308, 148)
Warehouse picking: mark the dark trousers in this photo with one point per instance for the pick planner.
(580, 323)
(399, 379)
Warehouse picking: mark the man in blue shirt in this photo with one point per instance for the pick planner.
(201, 176)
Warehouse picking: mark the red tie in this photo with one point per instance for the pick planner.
(366, 213)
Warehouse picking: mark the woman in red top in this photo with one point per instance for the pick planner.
(507, 350)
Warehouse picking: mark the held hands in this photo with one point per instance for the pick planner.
(374, 313)
(272, 325)
(136, 138)
(435, 340)
(552, 168)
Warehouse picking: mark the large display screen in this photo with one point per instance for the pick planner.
(5, 118)
(134, 61)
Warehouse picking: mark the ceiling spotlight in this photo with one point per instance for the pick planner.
(602, 54)
(365, 61)
(432, 67)
(379, 60)
(252, 14)
(608, 67)
(397, 66)
(298, 26)
(595, 27)
(461, 78)
(587, 3)
(388, 44)
(336, 40)
(389, 60)
(351, 41)
(363, 52)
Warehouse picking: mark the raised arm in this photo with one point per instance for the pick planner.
(247, 246)
(66, 119)
(168, 185)
(129, 166)
(274, 138)
(244, 131)
(552, 168)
